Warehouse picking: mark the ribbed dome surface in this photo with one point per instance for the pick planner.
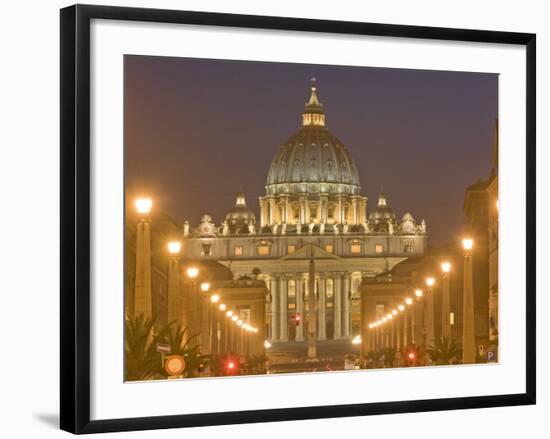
(313, 155)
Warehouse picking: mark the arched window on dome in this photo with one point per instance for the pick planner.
(313, 169)
(297, 171)
(330, 171)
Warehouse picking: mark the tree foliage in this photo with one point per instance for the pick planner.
(445, 351)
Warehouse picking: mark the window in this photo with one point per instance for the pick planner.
(355, 248)
(408, 247)
(329, 248)
(263, 250)
(238, 251)
(379, 310)
(206, 249)
(378, 248)
(290, 248)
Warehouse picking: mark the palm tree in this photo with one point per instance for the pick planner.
(389, 354)
(373, 357)
(142, 361)
(179, 345)
(444, 351)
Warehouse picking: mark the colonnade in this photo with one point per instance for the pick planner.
(281, 316)
(281, 209)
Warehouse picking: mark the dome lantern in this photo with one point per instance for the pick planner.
(313, 115)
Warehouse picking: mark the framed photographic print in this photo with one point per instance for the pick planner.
(269, 218)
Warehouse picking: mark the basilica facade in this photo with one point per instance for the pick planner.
(313, 209)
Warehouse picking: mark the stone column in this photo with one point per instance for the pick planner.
(288, 218)
(308, 211)
(417, 325)
(174, 293)
(264, 217)
(143, 301)
(362, 210)
(204, 322)
(283, 313)
(469, 353)
(346, 311)
(340, 211)
(274, 308)
(398, 328)
(300, 306)
(354, 210)
(322, 310)
(429, 317)
(337, 306)
(272, 211)
(406, 328)
(323, 209)
(302, 202)
(446, 306)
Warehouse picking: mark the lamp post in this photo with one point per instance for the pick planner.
(142, 295)
(192, 273)
(214, 346)
(468, 324)
(222, 348)
(205, 321)
(429, 314)
(174, 302)
(419, 326)
(410, 324)
(446, 301)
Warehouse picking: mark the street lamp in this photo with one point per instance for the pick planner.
(408, 300)
(418, 293)
(205, 286)
(468, 325)
(468, 244)
(401, 307)
(446, 301)
(143, 205)
(174, 247)
(143, 301)
(222, 306)
(215, 298)
(192, 272)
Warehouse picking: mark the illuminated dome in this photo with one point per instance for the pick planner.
(239, 217)
(313, 160)
(382, 216)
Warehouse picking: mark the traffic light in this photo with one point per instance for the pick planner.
(231, 366)
(297, 319)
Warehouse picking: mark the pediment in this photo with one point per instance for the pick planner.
(305, 253)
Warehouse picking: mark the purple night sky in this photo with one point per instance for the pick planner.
(198, 130)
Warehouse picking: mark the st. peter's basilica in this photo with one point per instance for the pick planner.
(313, 209)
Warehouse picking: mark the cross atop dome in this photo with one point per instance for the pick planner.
(313, 114)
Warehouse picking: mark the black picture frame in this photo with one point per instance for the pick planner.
(75, 217)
